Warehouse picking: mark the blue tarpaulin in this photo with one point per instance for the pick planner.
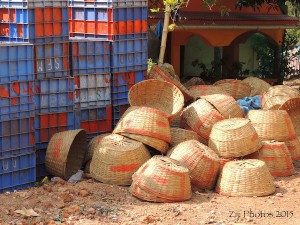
(159, 29)
(249, 103)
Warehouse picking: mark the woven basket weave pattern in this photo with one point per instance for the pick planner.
(163, 179)
(203, 90)
(247, 178)
(294, 148)
(235, 88)
(179, 135)
(292, 106)
(200, 116)
(272, 124)
(93, 145)
(225, 104)
(258, 86)
(117, 159)
(234, 137)
(157, 94)
(65, 153)
(202, 162)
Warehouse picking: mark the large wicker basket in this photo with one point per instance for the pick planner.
(193, 82)
(202, 162)
(258, 86)
(272, 124)
(145, 121)
(278, 95)
(202, 90)
(176, 122)
(248, 178)
(294, 148)
(235, 88)
(65, 153)
(162, 179)
(157, 94)
(200, 116)
(179, 135)
(225, 104)
(117, 158)
(292, 106)
(277, 158)
(158, 73)
(234, 137)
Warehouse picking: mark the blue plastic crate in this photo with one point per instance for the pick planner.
(130, 61)
(46, 125)
(54, 95)
(41, 171)
(16, 100)
(108, 23)
(16, 136)
(118, 111)
(17, 172)
(109, 3)
(92, 90)
(38, 25)
(32, 3)
(122, 82)
(129, 46)
(94, 121)
(16, 62)
(90, 57)
(52, 60)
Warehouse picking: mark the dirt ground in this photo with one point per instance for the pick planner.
(92, 202)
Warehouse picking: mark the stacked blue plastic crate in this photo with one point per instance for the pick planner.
(122, 27)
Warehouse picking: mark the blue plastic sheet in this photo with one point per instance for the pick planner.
(250, 103)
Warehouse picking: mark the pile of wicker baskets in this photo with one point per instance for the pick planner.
(174, 138)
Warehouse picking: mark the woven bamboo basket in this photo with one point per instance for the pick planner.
(225, 104)
(202, 162)
(158, 144)
(179, 135)
(116, 160)
(248, 178)
(258, 86)
(272, 124)
(193, 82)
(176, 122)
(93, 145)
(234, 137)
(145, 121)
(235, 88)
(277, 158)
(278, 95)
(65, 153)
(162, 179)
(224, 81)
(294, 148)
(200, 116)
(169, 69)
(158, 73)
(292, 106)
(203, 90)
(157, 94)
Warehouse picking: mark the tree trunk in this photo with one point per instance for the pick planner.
(164, 35)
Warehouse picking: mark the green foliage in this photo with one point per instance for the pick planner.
(150, 64)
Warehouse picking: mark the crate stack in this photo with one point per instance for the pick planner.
(108, 42)
(17, 152)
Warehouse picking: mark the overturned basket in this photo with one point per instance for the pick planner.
(157, 94)
(225, 104)
(258, 86)
(203, 90)
(145, 124)
(292, 106)
(200, 116)
(234, 137)
(272, 124)
(277, 158)
(65, 153)
(162, 179)
(117, 158)
(235, 88)
(176, 122)
(193, 82)
(294, 148)
(278, 95)
(250, 177)
(202, 162)
(159, 74)
(179, 135)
